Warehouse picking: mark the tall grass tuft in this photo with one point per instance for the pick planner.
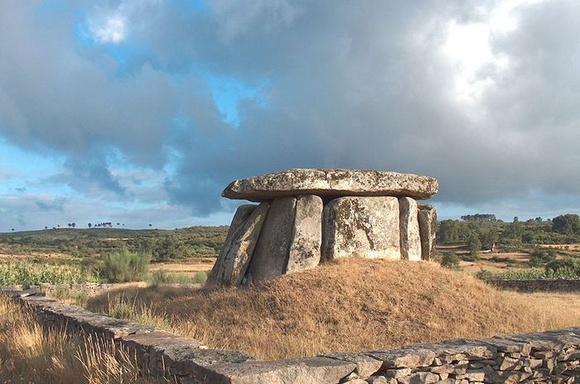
(161, 276)
(30, 353)
(125, 266)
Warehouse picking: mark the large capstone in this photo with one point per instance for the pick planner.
(332, 183)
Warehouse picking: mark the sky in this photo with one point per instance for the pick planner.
(140, 112)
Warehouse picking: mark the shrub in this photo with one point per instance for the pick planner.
(470, 257)
(125, 266)
(568, 266)
(542, 256)
(450, 260)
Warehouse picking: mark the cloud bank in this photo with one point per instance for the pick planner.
(172, 100)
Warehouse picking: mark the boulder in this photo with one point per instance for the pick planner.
(331, 183)
(238, 248)
(273, 248)
(307, 234)
(428, 231)
(361, 226)
(410, 238)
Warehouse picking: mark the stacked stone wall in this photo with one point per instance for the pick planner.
(539, 285)
(547, 357)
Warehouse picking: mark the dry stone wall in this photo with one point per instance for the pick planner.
(310, 215)
(548, 357)
(540, 285)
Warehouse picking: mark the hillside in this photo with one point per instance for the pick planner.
(193, 242)
(352, 305)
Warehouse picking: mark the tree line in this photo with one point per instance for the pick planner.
(484, 231)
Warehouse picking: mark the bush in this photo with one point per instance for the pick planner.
(450, 260)
(542, 256)
(125, 266)
(567, 266)
(469, 257)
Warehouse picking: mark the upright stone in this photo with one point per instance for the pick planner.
(410, 238)
(331, 183)
(361, 226)
(237, 250)
(271, 253)
(307, 234)
(428, 231)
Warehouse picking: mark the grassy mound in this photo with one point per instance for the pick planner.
(351, 305)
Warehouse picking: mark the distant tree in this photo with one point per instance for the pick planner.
(489, 238)
(479, 217)
(474, 244)
(568, 224)
(165, 248)
(90, 225)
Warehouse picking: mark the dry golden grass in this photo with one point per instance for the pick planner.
(31, 354)
(352, 305)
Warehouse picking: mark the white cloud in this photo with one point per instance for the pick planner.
(110, 30)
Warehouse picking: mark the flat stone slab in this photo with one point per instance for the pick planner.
(365, 227)
(331, 183)
(310, 370)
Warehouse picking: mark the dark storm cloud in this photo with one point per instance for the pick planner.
(341, 84)
(51, 205)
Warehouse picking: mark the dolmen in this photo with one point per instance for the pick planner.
(307, 216)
